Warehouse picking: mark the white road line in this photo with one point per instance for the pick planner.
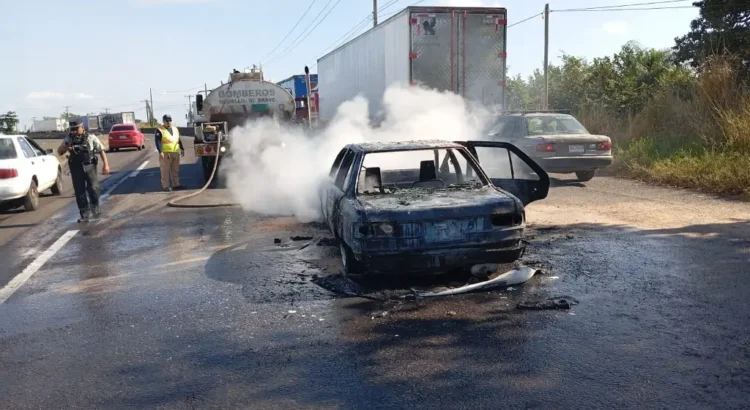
(139, 169)
(34, 266)
(118, 183)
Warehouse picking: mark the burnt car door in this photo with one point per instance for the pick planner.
(333, 190)
(510, 169)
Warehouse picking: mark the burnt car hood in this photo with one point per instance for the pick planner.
(427, 204)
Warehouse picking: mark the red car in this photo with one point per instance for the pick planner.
(126, 136)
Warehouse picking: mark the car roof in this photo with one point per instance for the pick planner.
(12, 136)
(117, 125)
(370, 147)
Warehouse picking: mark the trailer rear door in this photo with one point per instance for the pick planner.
(483, 57)
(460, 50)
(433, 50)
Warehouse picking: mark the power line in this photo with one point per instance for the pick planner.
(286, 50)
(313, 29)
(291, 31)
(184, 91)
(362, 23)
(614, 6)
(524, 20)
(631, 9)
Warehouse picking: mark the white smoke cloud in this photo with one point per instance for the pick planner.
(268, 178)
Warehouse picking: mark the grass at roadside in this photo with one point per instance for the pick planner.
(700, 140)
(691, 166)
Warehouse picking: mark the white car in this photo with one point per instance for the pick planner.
(25, 170)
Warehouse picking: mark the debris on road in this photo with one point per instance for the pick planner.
(301, 238)
(512, 277)
(379, 314)
(276, 241)
(327, 242)
(563, 302)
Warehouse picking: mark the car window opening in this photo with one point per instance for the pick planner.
(384, 173)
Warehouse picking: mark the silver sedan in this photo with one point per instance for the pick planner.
(557, 142)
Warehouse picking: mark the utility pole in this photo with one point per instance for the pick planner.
(67, 112)
(151, 96)
(190, 107)
(307, 96)
(106, 110)
(374, 13)
(546, 56)
(148, 112)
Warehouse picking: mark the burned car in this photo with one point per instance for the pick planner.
(428, 206)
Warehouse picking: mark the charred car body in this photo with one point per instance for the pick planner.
(428, 206)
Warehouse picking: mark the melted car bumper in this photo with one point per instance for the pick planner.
(440, 260)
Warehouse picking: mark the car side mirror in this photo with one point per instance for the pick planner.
(199, 103)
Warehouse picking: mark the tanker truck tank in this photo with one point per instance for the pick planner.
(244, 98)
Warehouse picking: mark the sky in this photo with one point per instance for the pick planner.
(107, 54)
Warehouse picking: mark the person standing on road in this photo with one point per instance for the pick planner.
(169, 146)
(82, 162)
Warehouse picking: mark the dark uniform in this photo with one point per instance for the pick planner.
(82, 163)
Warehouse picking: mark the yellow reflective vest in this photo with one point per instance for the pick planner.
(170, 140)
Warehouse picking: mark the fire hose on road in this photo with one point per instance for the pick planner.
(174, 202)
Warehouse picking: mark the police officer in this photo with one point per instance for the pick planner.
(169, 146)
(82, 162)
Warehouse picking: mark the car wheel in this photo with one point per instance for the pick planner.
(348, 261)
(58, 186)
(585, 175)
(139, 148)
(31, 200)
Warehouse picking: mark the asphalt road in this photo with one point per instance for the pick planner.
(16, 223)
(157, 307)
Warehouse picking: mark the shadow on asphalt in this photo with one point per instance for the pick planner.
(556, 182)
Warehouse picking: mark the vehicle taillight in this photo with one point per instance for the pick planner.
(8, 173)
(209, 149)
(604, 146)
(545, 147)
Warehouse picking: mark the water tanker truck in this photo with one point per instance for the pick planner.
(247, 96)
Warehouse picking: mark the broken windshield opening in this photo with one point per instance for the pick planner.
(384, 173)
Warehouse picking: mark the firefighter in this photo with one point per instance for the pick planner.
(82, 162)
(169, 146)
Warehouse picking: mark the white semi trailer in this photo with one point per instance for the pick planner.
(458, 49)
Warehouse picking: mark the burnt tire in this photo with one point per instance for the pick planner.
(57, 187)
(31, 200)
(349, 263)
(584, 176)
